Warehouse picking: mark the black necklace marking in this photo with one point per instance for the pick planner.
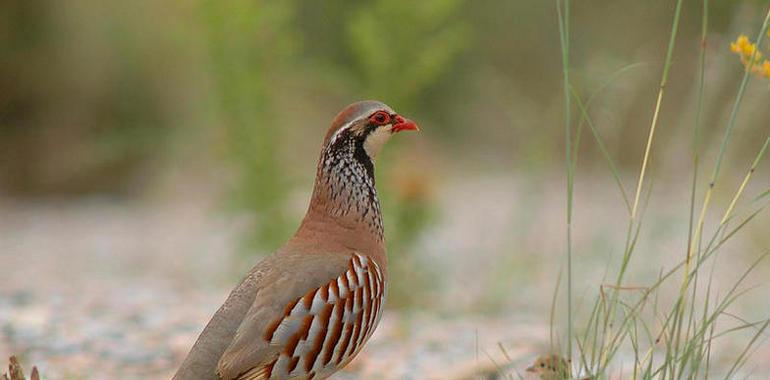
(347, 171)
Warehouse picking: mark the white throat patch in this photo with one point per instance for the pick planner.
(376, 139)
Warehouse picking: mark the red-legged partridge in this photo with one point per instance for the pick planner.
(306, 311)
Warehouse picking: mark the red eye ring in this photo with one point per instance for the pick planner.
(380, 118)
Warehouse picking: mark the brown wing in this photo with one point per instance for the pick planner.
(317, 333)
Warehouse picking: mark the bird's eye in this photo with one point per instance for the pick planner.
(542, 365)
(380, 118)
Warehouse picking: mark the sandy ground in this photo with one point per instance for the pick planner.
(100, 289)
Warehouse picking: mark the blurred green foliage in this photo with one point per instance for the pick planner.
(246, 42)
(93, 93)
(401, 48)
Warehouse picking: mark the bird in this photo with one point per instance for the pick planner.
(551, 367)
(305, 311)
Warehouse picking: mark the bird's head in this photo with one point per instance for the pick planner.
(345, 182)
(368, 124)
(552, 367)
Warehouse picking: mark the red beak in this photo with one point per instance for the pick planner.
(403, 124)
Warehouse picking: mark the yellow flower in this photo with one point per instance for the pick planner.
(750, 56)
(741, 45)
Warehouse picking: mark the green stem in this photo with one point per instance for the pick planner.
(564, 39)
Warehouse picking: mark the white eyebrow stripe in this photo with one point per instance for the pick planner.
(337, 133)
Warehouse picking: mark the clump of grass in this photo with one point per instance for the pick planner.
(668, 339)
(15, 371)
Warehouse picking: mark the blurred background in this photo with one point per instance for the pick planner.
(151, 152)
